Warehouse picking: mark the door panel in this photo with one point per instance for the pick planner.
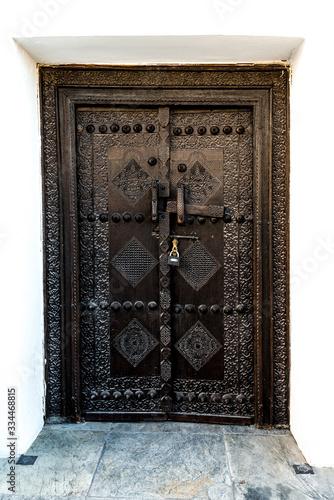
(155, 338)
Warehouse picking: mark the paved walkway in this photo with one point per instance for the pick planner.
(168, 460)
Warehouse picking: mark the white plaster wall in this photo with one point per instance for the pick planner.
(312, 178)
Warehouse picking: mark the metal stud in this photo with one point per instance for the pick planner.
(240, 218)
(90, 128)
(139, 394)
(214, 220)
(227, 398)
(240, 129)
(189, 130)
(104, 305)
(152, 305)
(203, 309)
(202, 397)
(241, 308)
(214, 130)
(126, 129)
(127, 305)
(128, 394)
(228, 309)
(191, 396)
(79, 127)
(139, 305)
(215, 397)
(116, 218)
(201, 220)
(201, 130)
(117, 394)
(240, 399)
(103, 217)
(115, 306)
(227, 130)
(190, 219)
(215, 309)
(177, 308)
(139, 218)
(92, 305)
(182, 167)
(105, 394)
(152, 161)
(189, 308)
(127, 217)
(137, 128)
(152, 393)
(177, 131)
(114, 127)
(91, 217)
(150, 128)
(179, 396)
(94, 395)
(103, 129)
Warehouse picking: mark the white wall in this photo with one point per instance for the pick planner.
(312, 178)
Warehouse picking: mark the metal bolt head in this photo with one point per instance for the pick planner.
(90, 128)
(182, 167)
(115, 306)
(214, 130)
(127, 217)
(152, 305)
(177, 131)
(201, 130)
(137, 128)
(139, 305)
(103, 217)
(201, 220)
(227, 129)
(103, 129)
(214, 220)
(240, 129)
(91, 217)
(150, 128)
(188, 130)
(104, 305)
(152, 161)
(203, 309)
(116, 218)
(127, 305)
(241, 308)
(227, 217)
(177, 308)
(228, 309)
(126, 129)
(240, 218)
(114, 127)
(190, 308)
(215, 309)
(139, 218)
(190, 219)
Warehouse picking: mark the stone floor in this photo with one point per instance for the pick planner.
(145, 461)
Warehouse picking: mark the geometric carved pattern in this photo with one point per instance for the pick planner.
(132, 181)
(197, 265)
(134, 342)
(199, 184)
(134, 262)
(198, 345)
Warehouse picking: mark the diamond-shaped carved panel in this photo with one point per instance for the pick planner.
(134, 342)
(197, 265)
(198, 346)
(199, 183)
(134, 262)
(132, 181)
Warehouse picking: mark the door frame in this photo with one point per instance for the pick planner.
(265, 90)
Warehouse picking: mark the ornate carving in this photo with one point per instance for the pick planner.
(198, 345)
(134, 342)
(134, 262)
(197, 265)
(165, 334)
(132, 181)
(199, 183)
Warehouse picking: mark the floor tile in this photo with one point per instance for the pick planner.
(65, 465)
(261, 469)
(163, 466)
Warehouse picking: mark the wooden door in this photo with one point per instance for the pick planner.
(161, 341)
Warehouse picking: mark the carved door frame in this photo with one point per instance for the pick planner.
(265, 90)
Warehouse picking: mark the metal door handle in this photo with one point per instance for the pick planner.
(180, 203)
(154, 191)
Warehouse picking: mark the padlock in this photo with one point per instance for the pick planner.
(174, 256)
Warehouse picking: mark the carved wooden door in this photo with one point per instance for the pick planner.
(161, 341)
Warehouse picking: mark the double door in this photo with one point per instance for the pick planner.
(161, 339)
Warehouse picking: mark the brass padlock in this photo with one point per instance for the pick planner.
(174, 256)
